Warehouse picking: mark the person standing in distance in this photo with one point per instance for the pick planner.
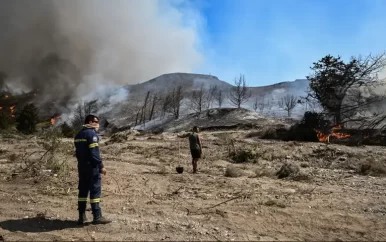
(195, 146)
(90, 168)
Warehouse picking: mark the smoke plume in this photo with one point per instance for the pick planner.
(66, 49)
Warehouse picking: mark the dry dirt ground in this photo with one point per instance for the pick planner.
(148, 200)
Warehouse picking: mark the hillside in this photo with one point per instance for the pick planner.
(192, 81)
(215, 119)
(117, 110)
(269, 95)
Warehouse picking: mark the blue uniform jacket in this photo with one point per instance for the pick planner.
(87, 150)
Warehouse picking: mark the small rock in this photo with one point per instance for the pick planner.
(343, 158)
(26, 217)
(289, 190)
(288, 157)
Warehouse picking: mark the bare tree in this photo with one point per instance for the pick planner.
(155, 99)
(219, 98)
(211, 95)
(288, 103)
(166, 103)
(268, 105)
(262, 104)
(239, 93)
(256, 104)
(259, 103)
(137, 116)
(177, 96)
(82, 110)
(144, 106)
(197, 99)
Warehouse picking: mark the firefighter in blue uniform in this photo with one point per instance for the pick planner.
(90, 168)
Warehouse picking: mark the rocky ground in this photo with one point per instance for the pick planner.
(333, 192)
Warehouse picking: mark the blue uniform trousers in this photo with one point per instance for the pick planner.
(89, 182)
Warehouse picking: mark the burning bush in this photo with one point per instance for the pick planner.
(306, 130)
(27, 119)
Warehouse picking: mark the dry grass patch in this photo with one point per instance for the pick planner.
(372, 167)
(265, 172)
(233, 171)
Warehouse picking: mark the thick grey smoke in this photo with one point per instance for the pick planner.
(67, 48)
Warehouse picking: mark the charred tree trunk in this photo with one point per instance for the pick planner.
(136, 117)
(143, 114)
(153, 104)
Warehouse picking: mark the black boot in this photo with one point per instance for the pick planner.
(82, 213)
(97, 213)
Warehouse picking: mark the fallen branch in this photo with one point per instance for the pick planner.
(176, 191)
(31, 198)
(119, 187)
(223, 202)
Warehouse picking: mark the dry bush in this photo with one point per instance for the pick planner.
(372, 167)
(269, 134)
(52, 159)
(265, 172)
(272, 153)
(123, 136)
(287, 170)
(232, 171)
(240, 155)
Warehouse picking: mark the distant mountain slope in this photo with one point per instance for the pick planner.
(192, 81)
(297, 87)
(188, 80)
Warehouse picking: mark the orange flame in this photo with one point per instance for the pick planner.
(1, 108)
(6, 96)
(322, 137)
(53, 119)
(12, 109)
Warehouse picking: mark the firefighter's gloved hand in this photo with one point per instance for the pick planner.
(103, 171)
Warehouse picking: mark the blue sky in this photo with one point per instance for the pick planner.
(277, 40)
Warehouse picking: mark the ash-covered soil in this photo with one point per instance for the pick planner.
(338, 193)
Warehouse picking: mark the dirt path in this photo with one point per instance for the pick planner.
(148, 201)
